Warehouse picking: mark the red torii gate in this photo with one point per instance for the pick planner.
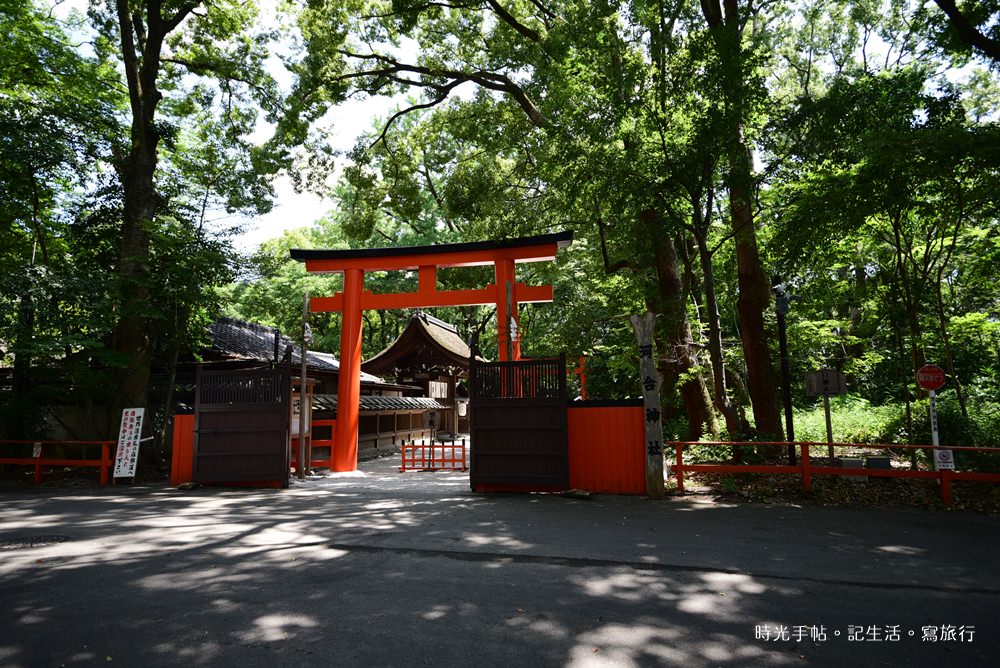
(506, 293)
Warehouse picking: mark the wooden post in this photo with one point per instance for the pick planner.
(510, 347)
(305, 459)
(806, 472)
(650, 379)
(829, 425)
(680, 467)
(106, 461)
(38, 462)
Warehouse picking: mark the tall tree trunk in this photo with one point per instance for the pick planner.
(905, 378)
(676, 344)
(754, 291)
(943, 264)
(734, 425)
(142, 39)
(857, 350)
(910, 298)
(135, 329)
(948, 357)
(20, 420)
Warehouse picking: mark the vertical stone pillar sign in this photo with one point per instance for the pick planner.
(643, 326)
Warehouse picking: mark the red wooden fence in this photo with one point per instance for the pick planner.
(807, 470)
(41, 460)
(321, 426)
(447, 456)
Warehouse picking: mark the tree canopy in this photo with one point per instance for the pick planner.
(701, 152)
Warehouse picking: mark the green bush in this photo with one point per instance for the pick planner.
(981, 428)
(853, 420)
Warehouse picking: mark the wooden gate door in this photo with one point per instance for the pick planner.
(518, 425)
(241, 426)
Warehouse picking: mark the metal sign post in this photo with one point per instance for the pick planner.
(931, 378)
(943, 459)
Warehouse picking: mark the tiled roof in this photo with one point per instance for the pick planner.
(369, 402)
(237, 339)
(318, 360)
(246, 340)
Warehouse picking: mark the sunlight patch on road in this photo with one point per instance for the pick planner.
(274, 628)
(549, 628)
(905, 550)
(743, 584)
(492, 540)
(626, 584)
(626, 645)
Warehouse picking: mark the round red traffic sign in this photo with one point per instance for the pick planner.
(930, 377)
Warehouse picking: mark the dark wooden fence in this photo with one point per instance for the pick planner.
(241, 426)
(518, 425)
(523, 379)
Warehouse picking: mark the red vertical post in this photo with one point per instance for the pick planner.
(679, 467)
(945, 475)
(106, 462)
(427, 278)
(345, 446)
(806, 471)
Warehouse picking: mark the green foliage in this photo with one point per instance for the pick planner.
(64, 170)
(853, 420)
(981, 428)
(876, 199)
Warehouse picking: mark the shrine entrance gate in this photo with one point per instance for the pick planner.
(506, 293)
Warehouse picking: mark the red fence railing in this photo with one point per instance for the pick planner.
(39, 459)
(807, 470)
(434, 456)
(318, 426)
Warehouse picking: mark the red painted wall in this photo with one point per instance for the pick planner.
(182, 460)
(607, 453)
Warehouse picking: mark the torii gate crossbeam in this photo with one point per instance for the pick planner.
(505, 292)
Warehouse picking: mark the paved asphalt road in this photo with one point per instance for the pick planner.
(390, 569)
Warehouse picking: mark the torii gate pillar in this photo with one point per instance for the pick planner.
(344, 457)
(506, 293)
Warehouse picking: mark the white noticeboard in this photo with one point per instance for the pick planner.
(129, 436)
(297, 412)
(944, 460)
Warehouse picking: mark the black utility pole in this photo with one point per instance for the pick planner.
(783, 303)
